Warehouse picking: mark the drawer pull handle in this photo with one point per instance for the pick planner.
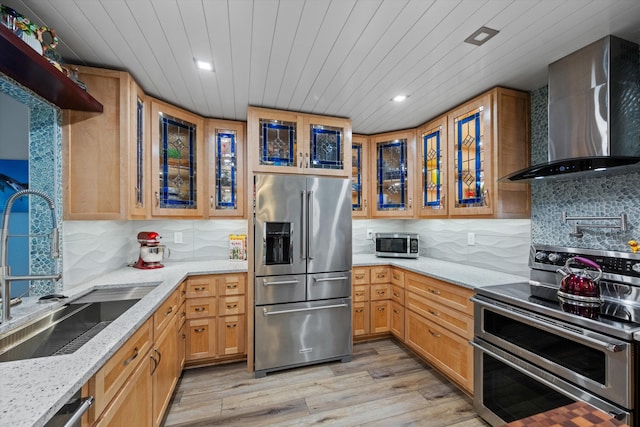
(380, 308)
(198, 330)
(230, 306)
(434, 291)
(381, 275)
(200, 308)
(396, 311)
(434, 313)
(397, 295)
(232, 286)
(132, 358)
(232, 325)
(184, 314)
(396, 277)
(434, 334)
(380, 292)
(155, 364)
(184, 336)
(183, 292)
(359, 294)
(359, 310)
(169, 311)
(200, 288)
(359, 276)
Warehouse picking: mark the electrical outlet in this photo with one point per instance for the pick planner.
(369, 234)
(177, 237)
(471, 239)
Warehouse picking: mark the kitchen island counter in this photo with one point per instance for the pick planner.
(33, 390)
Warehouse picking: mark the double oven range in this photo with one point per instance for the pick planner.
(533, 352)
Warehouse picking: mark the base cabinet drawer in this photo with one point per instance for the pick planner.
(455, 321)
(449, 352)
(201, 338)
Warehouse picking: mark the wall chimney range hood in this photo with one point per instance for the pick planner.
(594, 113)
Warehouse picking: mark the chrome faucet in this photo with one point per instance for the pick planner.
(5, 275)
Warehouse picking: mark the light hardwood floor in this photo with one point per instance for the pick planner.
(384, 385)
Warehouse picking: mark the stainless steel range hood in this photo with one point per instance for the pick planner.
(594, 113)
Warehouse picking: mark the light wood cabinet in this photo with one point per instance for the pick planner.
(106, 383)
(439, 324)
(371, 312)
(216, 318)
(132, 406)
(360, 176)
(225, 145)
(102, 153)
(135, 385)
(290, 142)
(165, 374)
(489, 137)
(392, 168)
(177, 162)
(397, 320)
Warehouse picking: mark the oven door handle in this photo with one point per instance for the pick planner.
(549, 325)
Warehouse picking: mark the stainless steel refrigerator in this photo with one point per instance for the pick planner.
(302, 264)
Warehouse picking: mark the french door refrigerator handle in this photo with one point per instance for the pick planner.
(303, 234)
(310, 222)
(297, 310)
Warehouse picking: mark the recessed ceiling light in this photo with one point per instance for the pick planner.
(481, 36)
(399, 98)
(204, 65)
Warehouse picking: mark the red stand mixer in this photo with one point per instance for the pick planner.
(151, 251)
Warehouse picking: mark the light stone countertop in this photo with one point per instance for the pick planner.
(32, 391)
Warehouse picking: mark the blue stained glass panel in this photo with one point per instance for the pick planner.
(326, 147)
(226, 170)
(277, 143)
(139, 153)
(391, 175)
(177, 163)
(469, 161)
(356, 179)
(431, 171)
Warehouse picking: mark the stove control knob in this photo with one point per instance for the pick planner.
(636, 267)
(553, 257)
(540, 256)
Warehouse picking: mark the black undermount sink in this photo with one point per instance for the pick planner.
(66, 329)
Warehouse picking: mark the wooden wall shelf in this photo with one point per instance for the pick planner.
(32, 70)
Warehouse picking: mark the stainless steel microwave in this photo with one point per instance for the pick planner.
(397, 245)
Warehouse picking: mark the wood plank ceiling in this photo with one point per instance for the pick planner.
(336, 57)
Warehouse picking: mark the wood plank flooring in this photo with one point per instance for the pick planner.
(384, 385)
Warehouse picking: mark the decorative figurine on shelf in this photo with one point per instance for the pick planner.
(633, 245)
(49, 46)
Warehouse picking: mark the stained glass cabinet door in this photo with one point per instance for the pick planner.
(274, 141)
(392, 166)
(360, 176)
(177, 162)
(432, 165)
(471, 177)
(326, 146)
(225, 147)
(139, 154)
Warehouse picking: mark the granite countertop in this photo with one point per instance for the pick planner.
(32, 391)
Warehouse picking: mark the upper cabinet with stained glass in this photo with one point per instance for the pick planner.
(360, 176)
(432, 159)
(225, 142)
(177, 161)
(489, 138)
(288, 142)
(393, 163)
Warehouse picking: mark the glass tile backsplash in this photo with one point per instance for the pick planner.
(605, 196)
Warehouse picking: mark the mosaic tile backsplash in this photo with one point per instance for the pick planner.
(45, 174)
(604, 196)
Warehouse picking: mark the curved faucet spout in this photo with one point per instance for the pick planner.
(5, 276)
